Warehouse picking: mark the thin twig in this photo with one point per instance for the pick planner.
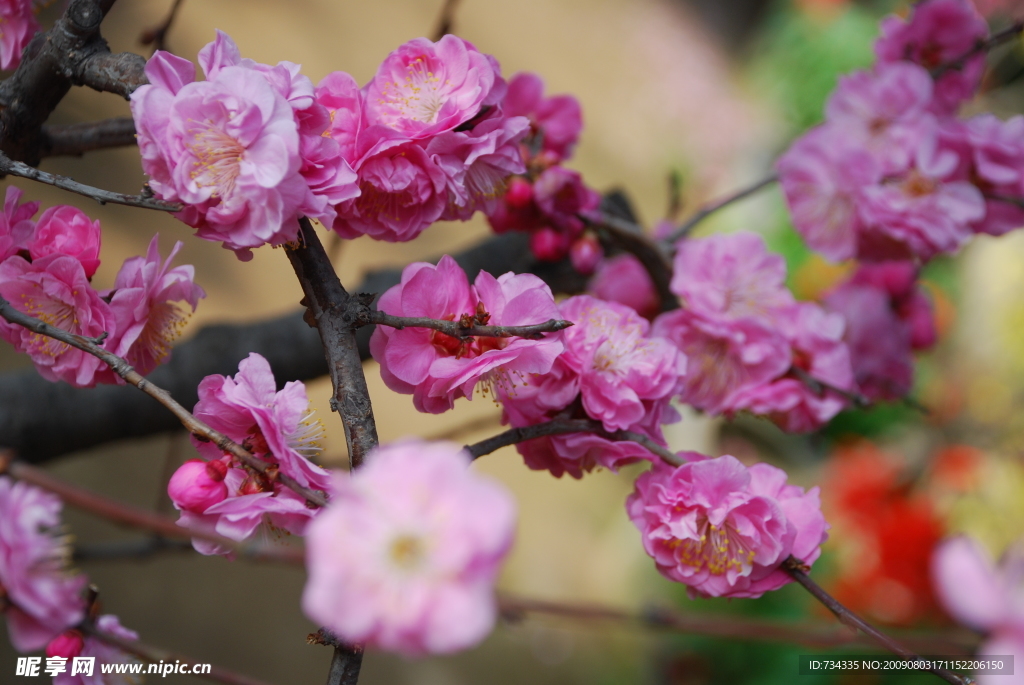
(562, 426)
(820, 387)
(446, 22)
(130, 516)
(155, 655)
(9, 166)
(456, 329)
(806, 633)
(135, 550)
(629, 237)
(798, 571)
(981, 46)
(157, 36)
(123, 369)
(710, 208)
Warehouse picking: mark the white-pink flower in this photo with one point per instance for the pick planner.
(406, 555)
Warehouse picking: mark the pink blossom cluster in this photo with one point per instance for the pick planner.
(749, 345)
(219, 493)
(612, 371)
(888, 316)
(435, 368)
(547, 199)
(983, 596)
(45, 270)
(254, 147)
(406, 555)
(17, 26)
(893, 173)
(72, 643)
(723, 529)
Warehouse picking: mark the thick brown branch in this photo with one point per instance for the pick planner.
(123, 369)
(77, 139)
(9, 166)
(798, 571)
(134, 517)
(456, 330)
(711, 207)
(106, 72)
(562, 426)
(631, 238)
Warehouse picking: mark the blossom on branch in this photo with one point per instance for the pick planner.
(63, 229)
(555, 121)
(41, 596)
(723, 529)
(16, 224)
(406, 555)
(72, 643)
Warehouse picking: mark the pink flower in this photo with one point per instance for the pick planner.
(18, 19)
(406, 556)
(586, 254)
(16, 224)
(732, 275)
(822, 176)
(55, 290)
(997, 151)
(885, 110)
(424, 88)
(64, 229)
(44, 599)
(938, 31)
(438, 369)
(624, 279)
(983, 596)
(558, 119)
(723, 357)
(228, 148)
(276, 427)
(579, 453)
(148, 301)
(816, 338)
(71, 644)
(723, 529)
(908, 299)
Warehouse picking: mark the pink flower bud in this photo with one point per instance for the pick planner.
(197, 485)
(586, 254)
(64, 229)
(68, 645)
(548, 245)
(519, 193)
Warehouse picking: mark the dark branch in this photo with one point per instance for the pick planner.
(456, 330)
(710, 208)
(77, 139)
(627, 236)
(446, 22)
(157, 36)
(9, 166)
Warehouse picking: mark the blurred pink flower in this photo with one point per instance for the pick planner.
(71, 644)
(64, 229)
(908, 299)
(148, 302)
(624, 279)
(586, 254)
(436, 368)
(425, 88)
(18, 19)
(937, 32)
(997, 152)
(558, 119)
(44, 598)
(723, 529)
(732, 276)
(55, 290)
(16, 224)
(406, 555)
(579, 453)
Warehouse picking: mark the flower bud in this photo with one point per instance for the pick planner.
(586, 254)
(519, 193)
(197, 485)
(68, 645)
(548, 245)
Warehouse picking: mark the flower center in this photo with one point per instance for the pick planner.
(917, 184)
(218, 157)
(720, 548)
(407, 552)
(420, 97)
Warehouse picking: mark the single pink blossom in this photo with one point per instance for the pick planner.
(424, 88)
(557, 119)
(819, 355)
(197, 485)
(624, 279)
(822, 177)
(17, 26)
(997, 155)
(71, 644)
(731, 275)
(436, 368)
(938, 32)
(55, 290)
(16, 224)
(723, 357)
(228, 148)
(406, 555)
(64, 229)
(149, 301)
(884, 110)
(724, 529)
(44, 599)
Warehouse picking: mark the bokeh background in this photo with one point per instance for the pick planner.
(712, 90)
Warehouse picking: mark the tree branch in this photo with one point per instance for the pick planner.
(9, 166)
(710, 208)
(628, 236)
(455, 329)
(992, 41)
(446, 22)
(77, 139)
(798, 571)
(157, 36)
